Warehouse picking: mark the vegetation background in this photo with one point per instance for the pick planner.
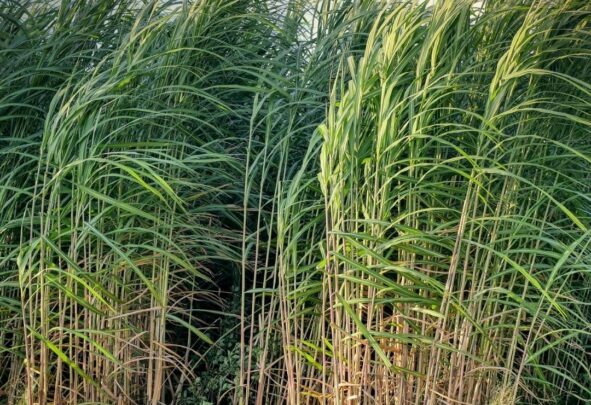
(295, 202)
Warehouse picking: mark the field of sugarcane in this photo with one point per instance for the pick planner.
(295, 202)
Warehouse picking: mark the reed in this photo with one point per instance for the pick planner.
(295, 201)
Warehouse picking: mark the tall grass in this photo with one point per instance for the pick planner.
(302, 202)
(452, 261)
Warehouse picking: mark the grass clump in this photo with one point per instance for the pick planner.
(302, 202)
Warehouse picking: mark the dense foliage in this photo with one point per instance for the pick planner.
(295, 202)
